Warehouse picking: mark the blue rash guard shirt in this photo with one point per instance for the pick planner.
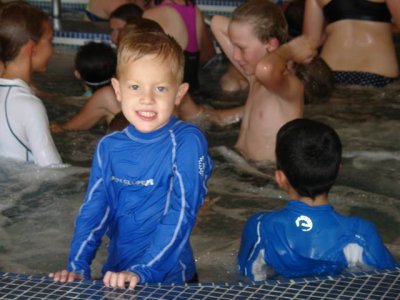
(302, 240)
(144, 191)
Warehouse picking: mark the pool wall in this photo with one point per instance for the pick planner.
(75, 32)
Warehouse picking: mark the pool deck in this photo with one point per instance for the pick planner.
(373, 285)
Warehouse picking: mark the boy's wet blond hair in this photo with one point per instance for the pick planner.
(155, 43)
(266, 18)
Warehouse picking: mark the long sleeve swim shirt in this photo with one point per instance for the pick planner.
(144, 192)
(24, 125)
(302, 240)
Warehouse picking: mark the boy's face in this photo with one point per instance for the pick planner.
(43, 49)
(247, 48)
(148, 92)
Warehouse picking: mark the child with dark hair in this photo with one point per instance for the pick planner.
(100, 10)
(120, 17)
(95, 65)
(25, 48)
(308, 237)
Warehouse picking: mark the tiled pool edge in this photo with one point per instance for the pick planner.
(76, 38)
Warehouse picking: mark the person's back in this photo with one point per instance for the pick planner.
(308, 237)
(95, 65)
(254, 41)
(25, 47)
(357, 40)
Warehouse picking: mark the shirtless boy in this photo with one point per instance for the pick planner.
(253, 41)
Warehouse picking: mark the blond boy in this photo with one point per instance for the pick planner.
(147, 181)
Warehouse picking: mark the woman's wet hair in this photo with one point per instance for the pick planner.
(187, 2)
(19, 23)
(127, 12)
(96, 63)
(309, 154)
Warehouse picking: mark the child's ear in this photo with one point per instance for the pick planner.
(117, 90)
(281, 180)
(29, 48)
(182, 90)
(77, 75)
(272, 44)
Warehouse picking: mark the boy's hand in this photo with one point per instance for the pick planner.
(65, 276)
(118, 279)
(303, 49)
(56, 128)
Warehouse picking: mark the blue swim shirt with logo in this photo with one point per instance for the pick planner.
(301, 240)
(144, 192)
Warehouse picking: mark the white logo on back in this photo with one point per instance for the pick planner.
(305, 223)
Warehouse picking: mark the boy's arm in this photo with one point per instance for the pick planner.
(91, 222)
(95, 109)
(207, 50)
(191, 170)
(375, 253)
(273, 71)
(314, 22)
(251, 255)
(219, 27)
(394, 8)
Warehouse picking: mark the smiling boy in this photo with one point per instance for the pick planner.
(148, 181)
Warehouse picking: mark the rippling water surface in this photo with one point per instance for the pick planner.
(38, 206)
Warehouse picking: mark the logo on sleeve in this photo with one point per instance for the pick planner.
(304, 223)
(202, 165)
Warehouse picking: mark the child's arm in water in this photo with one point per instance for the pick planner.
(102, 105)
(274, 72)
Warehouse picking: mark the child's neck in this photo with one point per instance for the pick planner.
(317, 201)
(18, 71)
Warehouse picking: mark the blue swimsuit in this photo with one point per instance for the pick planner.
(144, 192)
(302, 240)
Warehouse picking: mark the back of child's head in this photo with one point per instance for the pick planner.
(266, 18)
(309, 154)
(155, 43)
(139, 25)
(294, 14)
(96, 64)
(19, 23)
(187, 2)
(318, 80)
(127, 12)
